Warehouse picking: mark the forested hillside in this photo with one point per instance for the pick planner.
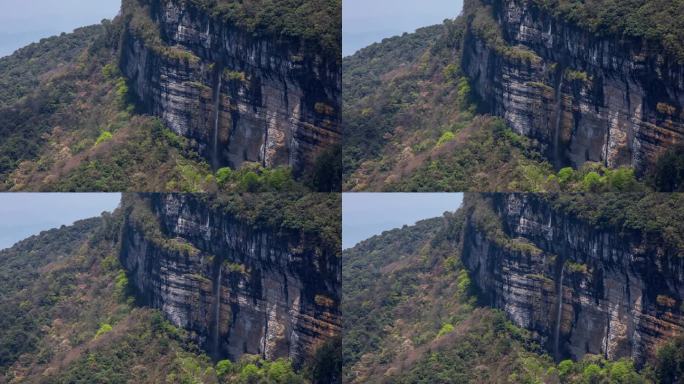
(416, 313)
(70, 314)
(411, 123)
(71, 120)
(477, 105)
(69, 124)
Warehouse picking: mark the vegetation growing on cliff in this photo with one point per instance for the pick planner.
(657, 21)
(317, 216)
(318, 22)
(657, 215)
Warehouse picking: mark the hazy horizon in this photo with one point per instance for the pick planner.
(24, 22)
(368, 22)
(26, 214)
(365, 215)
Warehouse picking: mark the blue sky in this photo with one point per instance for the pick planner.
(369, 21)
(367, 214)
(25, 21)
(26, 214)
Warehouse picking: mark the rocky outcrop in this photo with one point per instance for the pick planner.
(578, 288)
(582, 97)
(235, 287)
(238, 96)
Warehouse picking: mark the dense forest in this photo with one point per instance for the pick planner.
(413, 121)
(414, 315)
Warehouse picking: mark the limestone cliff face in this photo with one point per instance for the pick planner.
(239, 97)
(237, 289)
(584, 98)
(578, 288)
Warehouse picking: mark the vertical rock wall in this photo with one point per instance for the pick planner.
(236, 288)
(237, 96)
(582, 97)
(619, 295)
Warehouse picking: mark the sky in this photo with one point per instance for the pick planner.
(26, 214)
(368, 21)
(26, 21)
(368, 214)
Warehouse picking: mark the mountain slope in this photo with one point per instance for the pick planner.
(411, 125)
(73, 308)
(76, 130)
(92, 110)
(550, 71)
(418, 308)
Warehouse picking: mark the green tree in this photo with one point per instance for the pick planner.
(591, 182)
(224, 368)
(250, 374)
(223, 175)
(670, 362)
(592, 374)
(250, 182)
(445, 138)
(565, 368)
(668, 173)
(565, 175)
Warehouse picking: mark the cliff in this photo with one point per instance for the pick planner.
(583, 96)
(238, 95)
(237, 286)
(579, 287)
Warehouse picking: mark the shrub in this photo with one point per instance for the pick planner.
(565, 368)
(566, 175)
(223, 368)
(463, 92)
(121, 284)
(669, 366)
(236, 76)
(250, 182)
(223, 175)
(591, 182)
(324, 109)
(446, 137)
(622, 179)
(463, 281)
(592, 373)
(104, 328)
(446, 328)
(104, 136)
(666, 109)
(250, 373)
(573, 267)
(451, 71)
(623, 372)
(121, 90)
